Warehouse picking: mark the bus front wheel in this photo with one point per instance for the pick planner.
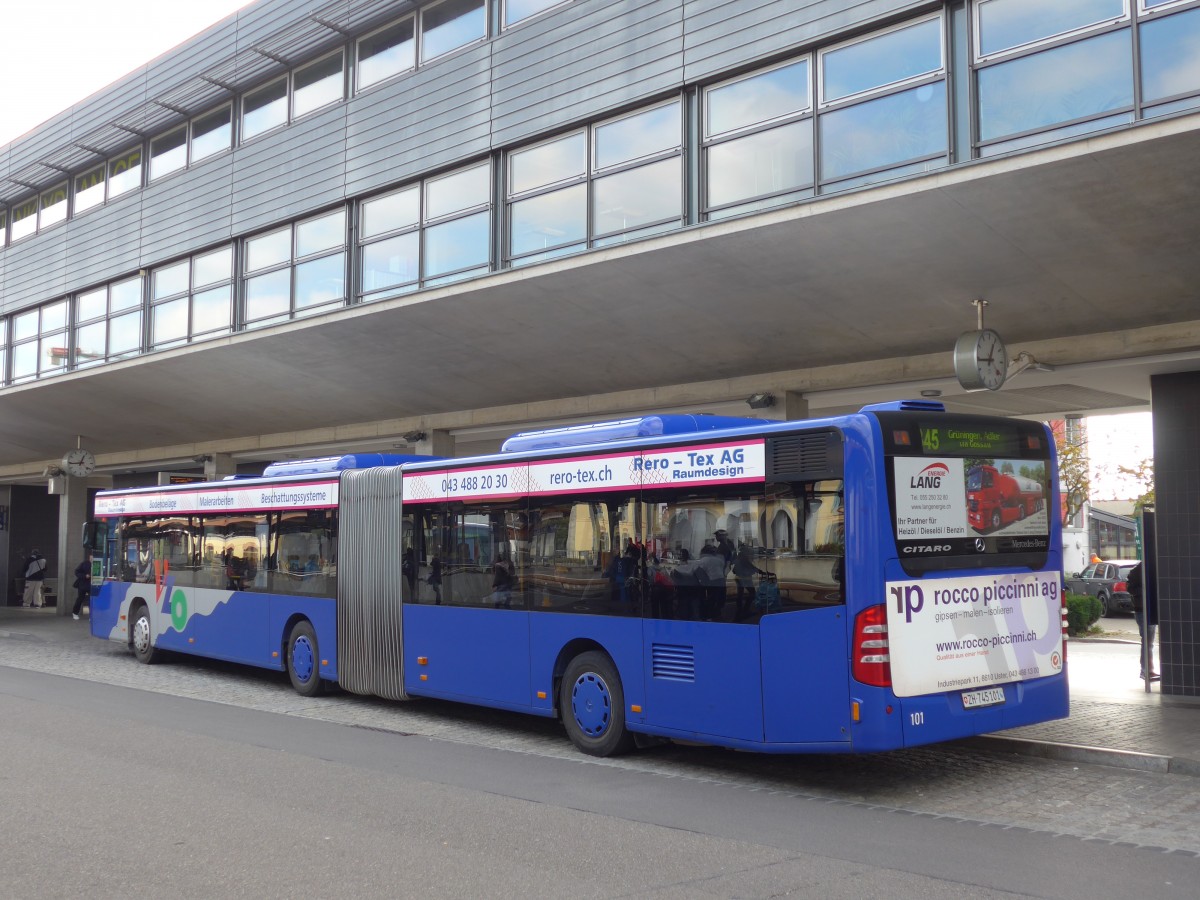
(303, 659)
(592, 704)
(141, 637)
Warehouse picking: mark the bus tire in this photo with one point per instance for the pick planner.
(141, 640)
(303, 660)
(592, 704)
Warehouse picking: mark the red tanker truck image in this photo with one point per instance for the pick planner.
(996, 499)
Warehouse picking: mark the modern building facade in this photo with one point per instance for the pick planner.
(365, 224)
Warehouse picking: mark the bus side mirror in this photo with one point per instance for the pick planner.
(90, 530)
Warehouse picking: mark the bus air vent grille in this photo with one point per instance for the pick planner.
(809, 456)
(673, 662)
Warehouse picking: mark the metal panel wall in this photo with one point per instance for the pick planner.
(591, 59)
(723, 36)
(438, 115)
(574, 65)
(296, 170)
(187, 210)
(369, 616)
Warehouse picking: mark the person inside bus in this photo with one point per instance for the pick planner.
(710, 572)
(145, 563)
(725, 546)
(434, 579)
(408, 568)
(687, 589)
(662, 590)
(503, 577)
(744, 571)
(235, 571)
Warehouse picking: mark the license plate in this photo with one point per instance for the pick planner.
(986, 697)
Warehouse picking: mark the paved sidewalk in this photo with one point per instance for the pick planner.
(1113, 720)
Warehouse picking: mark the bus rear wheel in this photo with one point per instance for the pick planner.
(592, 704)
(141, 635)
(302, 660)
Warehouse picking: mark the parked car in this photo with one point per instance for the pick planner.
(1108, 581)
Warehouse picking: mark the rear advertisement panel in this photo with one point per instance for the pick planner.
(968, 633)
(949, 506)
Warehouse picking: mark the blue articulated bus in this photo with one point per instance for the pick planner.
(783, 587)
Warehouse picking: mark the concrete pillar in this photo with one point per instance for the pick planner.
(436, 443)
(1177, 497)
(72, 513)
(789, 405)
(6, 575)
(218, 465)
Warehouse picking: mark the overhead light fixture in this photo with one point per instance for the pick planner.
(931, 393)
(760, 401)
(413, 437)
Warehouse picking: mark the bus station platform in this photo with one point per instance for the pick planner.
(1114, 721)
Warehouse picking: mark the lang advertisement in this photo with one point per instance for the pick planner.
(948, 634)
(953, 505)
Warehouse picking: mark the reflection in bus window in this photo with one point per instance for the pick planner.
(708, 553)
(303, 553)
(572, 565)
(466, 555)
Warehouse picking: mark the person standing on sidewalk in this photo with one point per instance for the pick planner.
(83, 585)
(1146, 616)
(35, 580)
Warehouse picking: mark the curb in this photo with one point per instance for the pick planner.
(1096, 756)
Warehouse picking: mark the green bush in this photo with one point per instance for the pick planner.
(1083, 611)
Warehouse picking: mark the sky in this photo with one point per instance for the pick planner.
(57, 52)
(91, 48)
(1120, 440)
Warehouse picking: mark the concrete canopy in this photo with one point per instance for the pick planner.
(1085, 252)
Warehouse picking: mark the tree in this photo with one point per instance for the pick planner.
(1074, 478)
(1143, 474)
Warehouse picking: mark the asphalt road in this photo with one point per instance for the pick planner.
(109, 790)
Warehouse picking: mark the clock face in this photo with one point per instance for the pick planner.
(79, 463)
(992, 359)
(980, 360)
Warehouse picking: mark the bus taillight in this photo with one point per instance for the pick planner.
(871, 663)
(1064, 626)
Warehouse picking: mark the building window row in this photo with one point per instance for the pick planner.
(192, 299)
(1053, 72)
(861, 111)
(871, 108)
(427, 234)
(296, 271)
(426, 34)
